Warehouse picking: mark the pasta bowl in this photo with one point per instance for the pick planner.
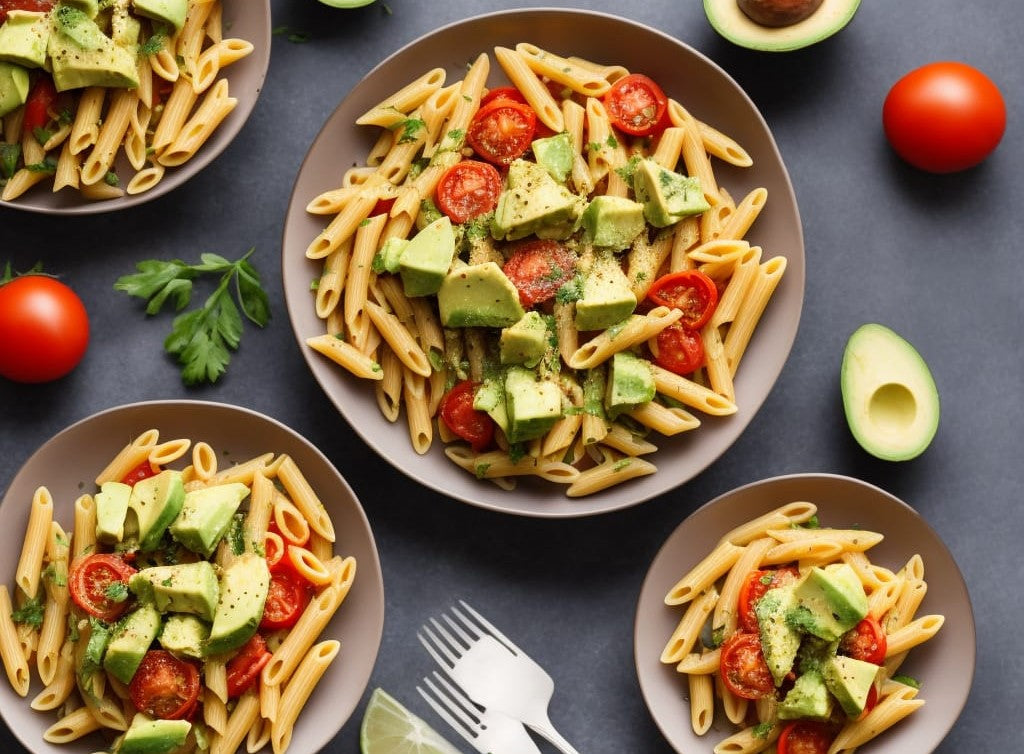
(68, 464)
(239, 20)
(704, 89)
(943, 665)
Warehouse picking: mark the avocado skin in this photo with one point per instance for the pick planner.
(733, 24)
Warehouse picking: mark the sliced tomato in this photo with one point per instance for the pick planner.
(468, 189)
(689, 290)
(458, 414)
(743, 668)
(90, 584)
(680, 349)
(538, 269)
(508, 93)
(636, 105)
(41, 98)
(866, 641)
(757, 583)
(502, 131)
(140, 472)
(382, 207)
(244, 668)
(286, 599)
(805, 737)
(165, 686)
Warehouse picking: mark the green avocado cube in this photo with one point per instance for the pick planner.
(630, 383)
(808, 699)
(156, 502)
(111, 511)
(130, 641)
(184, 634)
(23, 38)
(82, 55)
(850, 681)
(607, 296)
(666, 195)
(779, 641)
(14, 86)
(243, 591)
(554, 154)
(490, 398)
(184, 588)
(206, 515)
(390, 254)
(427, 258)
(830, 601)
(534, 203)
(148, 736)
(613, 221)
(524, 342)
(478, 295)
(534, 404)
(169, 11)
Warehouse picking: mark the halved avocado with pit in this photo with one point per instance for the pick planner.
(780, 25)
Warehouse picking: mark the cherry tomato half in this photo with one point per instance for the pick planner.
(538, 268)
(164, 686)
(91, 579)
(866, 641)
(286, 599)
(41, 98)
(143, 471)
(468, 189)
(743, 668)
(944, 117)
(636, 105)
(679, 349)
(244, 668)
(44, 329)
(805, 737)
(502, 131)
(458, 414)
(689, 290)
(757, 583)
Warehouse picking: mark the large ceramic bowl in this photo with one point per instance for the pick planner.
(242, 19)
(944, 665)
(701, 86)
(68, 464)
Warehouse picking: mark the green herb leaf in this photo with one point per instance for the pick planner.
(906, 680)
(10, 154)
(116, 591)
(30, 614)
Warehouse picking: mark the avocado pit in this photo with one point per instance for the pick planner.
(777, 13)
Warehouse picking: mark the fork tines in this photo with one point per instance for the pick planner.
(441, 642)
(454, 707)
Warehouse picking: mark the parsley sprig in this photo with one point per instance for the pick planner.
(201, 339)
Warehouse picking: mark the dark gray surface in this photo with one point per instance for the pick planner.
(938, 259)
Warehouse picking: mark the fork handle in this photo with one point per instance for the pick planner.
(547, 730)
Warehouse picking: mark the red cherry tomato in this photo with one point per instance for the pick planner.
(41, 98)
(502, 131)
(143, 471)
(164, 686)
(44, 329)
(382, 207)
(866, 641)
(636, 105)
(689, 290)
(244, 668)
(679, 349)
(805, 737)
(458, 414)
(509, 93)
(33, 5)
(468, 189)
(944, 117)
(743, 668)
(758, 582)
(538, 269)
(91, 579)
(286, 599)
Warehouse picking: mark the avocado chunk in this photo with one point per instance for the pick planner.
(148, 736)
(390, 254)
(667, 196)
(630, 383)
(184, 588)
(607, 296)
(23, 38)
(427, 258)
(525, 342)
(243, 592)
(14, 86)
(780, 642)
(89, 7)
(731, 20)
(82, 55)
(169, 11)
(490, 398)
(111, 511)
(889, 395)
(130, 641)
(534, 404)
(206, 515)
(534, 203)
(184, 634)
(808, 699)
(849, 680)
(554, 154)
(156, 502)
(479, 295)
(830, 601)
(613, 221)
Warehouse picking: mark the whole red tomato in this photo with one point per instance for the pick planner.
(44, 329)
(944, 117)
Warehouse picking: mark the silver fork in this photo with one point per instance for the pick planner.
(492, 670)
(486, 730)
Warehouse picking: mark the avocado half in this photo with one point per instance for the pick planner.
(732, 23)
(889, 395)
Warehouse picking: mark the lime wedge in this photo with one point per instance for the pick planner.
(389, 728)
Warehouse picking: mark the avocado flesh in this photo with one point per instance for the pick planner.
(808, 699)
(148, 736)
(156, 501)
(13, 87)
(243, 591)
(23, 38)
(732, 23)
(130, 641)
(82, 55)
(889, 395)
(850, 680)
(630, 383)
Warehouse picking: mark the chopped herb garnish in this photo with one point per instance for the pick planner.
(153, 45)
(516, 452)
(622, 465)
(42, 135)
(117, 591)
(906, 680)
(411, 128)
(9, 156)
(111, 178)
(48, 165)
(761, 730)
(30, 614)
(481, 470)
